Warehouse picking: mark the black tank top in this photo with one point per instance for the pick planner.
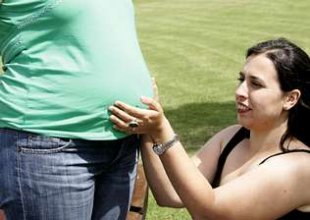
(241, 134)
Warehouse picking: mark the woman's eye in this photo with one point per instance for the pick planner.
(240, 79)
(256, 84)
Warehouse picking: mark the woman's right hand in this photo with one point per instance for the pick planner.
(149, 121)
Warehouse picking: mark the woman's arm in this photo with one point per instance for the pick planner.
(159, 183)
(205, 160)
(183, 175)
(265, 191)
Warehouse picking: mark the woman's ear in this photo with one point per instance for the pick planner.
(291, 99)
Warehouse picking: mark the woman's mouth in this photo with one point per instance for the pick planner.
(241, 108)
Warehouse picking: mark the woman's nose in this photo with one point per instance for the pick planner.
(241, 91)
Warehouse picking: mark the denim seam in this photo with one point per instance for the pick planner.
(45, 151)
(21, 199)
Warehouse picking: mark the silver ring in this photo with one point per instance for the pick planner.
(133, 124)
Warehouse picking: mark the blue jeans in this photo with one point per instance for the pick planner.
(45, 178)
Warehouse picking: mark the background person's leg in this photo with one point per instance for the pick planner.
(2, 217)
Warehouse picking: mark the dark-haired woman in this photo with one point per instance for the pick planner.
(258, 169)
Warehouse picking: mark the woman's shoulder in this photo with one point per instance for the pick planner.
(296, 157)
(294, 167)
(231, 130)
(226, 134)
(228, 131)
(221, 138)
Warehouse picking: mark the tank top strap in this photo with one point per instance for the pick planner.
(285, 152)
(241, 134)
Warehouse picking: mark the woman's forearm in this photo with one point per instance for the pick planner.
(173, 166)
(192, 187)
(159, 183)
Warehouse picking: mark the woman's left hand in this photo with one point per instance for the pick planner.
(135, 120)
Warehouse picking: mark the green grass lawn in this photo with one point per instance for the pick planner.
(195, 49)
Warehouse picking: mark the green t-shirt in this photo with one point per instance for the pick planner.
(65, 62)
